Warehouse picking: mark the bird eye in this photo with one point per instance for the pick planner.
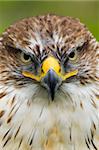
(25, 58)
(73, 56)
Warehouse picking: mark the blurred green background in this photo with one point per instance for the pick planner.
(87, 11)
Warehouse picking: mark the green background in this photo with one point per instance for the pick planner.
(86, 11)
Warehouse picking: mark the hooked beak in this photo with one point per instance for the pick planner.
(51, 76)
(51, 82)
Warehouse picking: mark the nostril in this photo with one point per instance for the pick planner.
(59, 69)
(42, 70)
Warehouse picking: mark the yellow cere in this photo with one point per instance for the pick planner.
(50, 63)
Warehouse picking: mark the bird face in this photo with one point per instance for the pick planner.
(50, 52)
(49, 85)
(50, 76)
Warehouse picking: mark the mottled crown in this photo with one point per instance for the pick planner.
(47, 31)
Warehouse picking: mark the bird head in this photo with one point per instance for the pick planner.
(49, 51)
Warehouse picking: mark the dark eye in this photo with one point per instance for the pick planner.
(73, 56)
(25, 58)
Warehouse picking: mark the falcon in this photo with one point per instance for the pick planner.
(49, 85)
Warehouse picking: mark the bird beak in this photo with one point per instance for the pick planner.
(51, 82)
(51, 76)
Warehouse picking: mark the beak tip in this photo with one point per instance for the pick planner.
(51, 82)
(52, 96)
